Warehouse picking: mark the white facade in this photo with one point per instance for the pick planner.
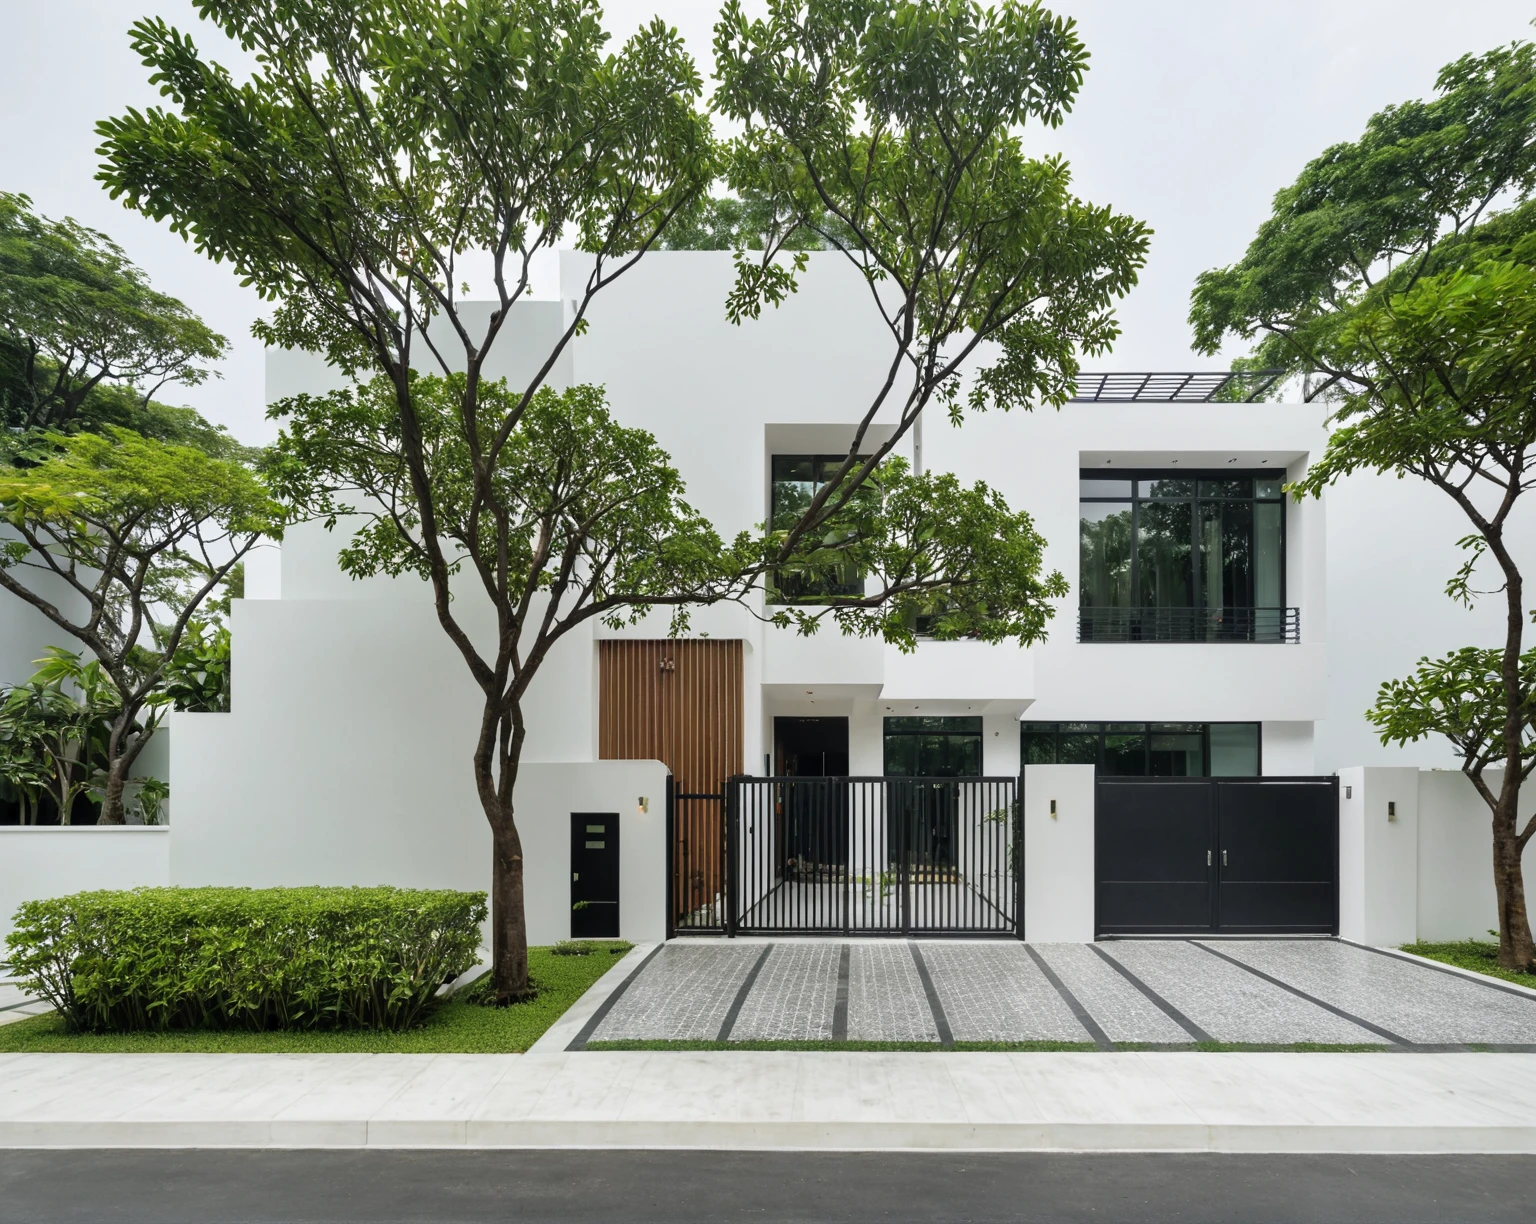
(345, 758)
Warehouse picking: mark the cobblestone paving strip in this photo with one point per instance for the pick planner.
(1122, 1011)
(1229, 1003)
(794, 996)
(682, 995)
(996, 992)
(885, 995)
(1415, 1002)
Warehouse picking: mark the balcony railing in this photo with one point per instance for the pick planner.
(1189, 625)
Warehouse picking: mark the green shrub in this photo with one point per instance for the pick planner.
(248, 959)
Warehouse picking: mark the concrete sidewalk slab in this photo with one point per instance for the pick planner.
(1152, 1101)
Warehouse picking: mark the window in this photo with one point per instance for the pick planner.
(1155, 750)
(1192, 556)
(796, 480)
(933, 747)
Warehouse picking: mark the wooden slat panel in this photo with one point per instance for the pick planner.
(678, 702)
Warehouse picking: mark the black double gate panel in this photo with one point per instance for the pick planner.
(873, 855)
(1230, 855)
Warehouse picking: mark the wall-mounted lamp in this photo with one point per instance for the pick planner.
(1391, 810)
(645, 805)
(1053, 809)
(1349, 792)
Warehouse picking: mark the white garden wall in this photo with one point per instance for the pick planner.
(51, 861)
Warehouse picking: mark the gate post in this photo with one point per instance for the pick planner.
(671, 856)
(729, 801)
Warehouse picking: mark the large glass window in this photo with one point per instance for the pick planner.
(796, 480)
(1182, 556)
(1151, 750)
(933, 747)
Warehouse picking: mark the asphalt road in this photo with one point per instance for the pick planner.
(386, 1187)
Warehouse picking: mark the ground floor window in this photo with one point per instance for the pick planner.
(1155, 750)
(933, 747)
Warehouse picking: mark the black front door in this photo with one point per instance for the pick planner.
(813, 820)
(594, 875)
(1180, 856)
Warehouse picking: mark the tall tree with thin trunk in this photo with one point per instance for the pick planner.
(1398, 275)
(379, 141)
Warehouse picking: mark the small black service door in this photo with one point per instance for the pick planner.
(594, 875)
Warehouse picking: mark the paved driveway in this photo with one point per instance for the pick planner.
(1153, 993)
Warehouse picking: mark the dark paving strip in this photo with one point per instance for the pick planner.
(1169, 1010)
(1312, 999)
(1100, 1037)
(940, 1020)
(23, 1003)
(597, 1017)
(1476, 979)
(840, 1008)
(739, 1001)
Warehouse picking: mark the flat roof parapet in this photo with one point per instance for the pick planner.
(1175, 387)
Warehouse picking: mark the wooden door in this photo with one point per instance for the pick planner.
(678, 702)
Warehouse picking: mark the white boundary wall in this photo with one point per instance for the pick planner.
(1058, 854)
(51, 861)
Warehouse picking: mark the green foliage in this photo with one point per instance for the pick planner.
(748, 222)
(236, 958)
(1411, 198)
(140, 533)
(1478, 955)
(196, 677)
(378, 140)
(1460, 696)
(455, 1027)
(892, 133)
(595, 516)
(55, 733)
(84, 339)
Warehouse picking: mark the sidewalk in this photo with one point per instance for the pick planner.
(1159, 1101)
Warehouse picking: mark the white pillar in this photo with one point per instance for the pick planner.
(1058, 853)
(1379, 855)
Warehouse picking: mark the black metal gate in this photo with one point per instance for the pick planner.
(873, 855)
(1179, 856)
(696, 881)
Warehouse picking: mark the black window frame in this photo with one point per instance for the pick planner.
(1134, 499)
(1102, 729)
(775, 593)
(920, 726)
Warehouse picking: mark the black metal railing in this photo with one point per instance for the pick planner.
(873, 855)
(1176, 386)
(1189, 624)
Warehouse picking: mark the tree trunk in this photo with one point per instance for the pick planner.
(1516, 949)
(112, 810)
(509, 922)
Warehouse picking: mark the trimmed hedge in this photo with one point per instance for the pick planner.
(248, 959)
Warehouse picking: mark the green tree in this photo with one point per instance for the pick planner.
(892, 133)
(1398, 271)
(54, 730)
(84, 339)
(378, 141)
(139, 534)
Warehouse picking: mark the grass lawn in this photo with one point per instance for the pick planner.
(1479, 955)
(457, 1027)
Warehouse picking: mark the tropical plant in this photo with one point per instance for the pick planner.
(378, 141)
(1399, 273)
(61, 720)
(139, 533)
(196, 676)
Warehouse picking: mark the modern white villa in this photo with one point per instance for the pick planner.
(1187, 752)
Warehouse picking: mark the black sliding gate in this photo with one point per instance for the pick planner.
(877, 856)
(1180, 856)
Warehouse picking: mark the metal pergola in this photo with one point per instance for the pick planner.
(1233, 386)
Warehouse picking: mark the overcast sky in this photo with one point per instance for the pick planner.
(1194, 113)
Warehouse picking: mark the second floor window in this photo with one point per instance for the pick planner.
(1182, 556)
(796, 481)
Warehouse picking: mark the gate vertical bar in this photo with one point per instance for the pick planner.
(728, 809)
(1017, 856)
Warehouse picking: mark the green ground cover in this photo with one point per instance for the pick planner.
(457, 1027)
(1479, 955)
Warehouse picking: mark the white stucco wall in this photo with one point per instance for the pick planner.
(36, 863)
(1058, 854)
